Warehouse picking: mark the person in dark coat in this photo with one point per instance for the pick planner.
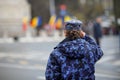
(74, 58)
(97, 30)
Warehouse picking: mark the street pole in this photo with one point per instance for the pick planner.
(52, 12)
(115, 3)
(52, 7)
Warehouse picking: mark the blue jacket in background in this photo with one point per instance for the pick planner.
(73, 60)
(97, 30)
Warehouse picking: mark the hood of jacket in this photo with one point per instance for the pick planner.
(73, 49)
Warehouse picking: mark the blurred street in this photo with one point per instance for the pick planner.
(27, 61)
(30, 29)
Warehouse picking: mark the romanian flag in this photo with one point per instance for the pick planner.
(35, 22)
(52, 21)
(24, 26)
(58, 23)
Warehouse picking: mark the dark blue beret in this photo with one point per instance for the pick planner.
(73, 25)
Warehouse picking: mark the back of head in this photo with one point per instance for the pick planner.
(72, 34)
(98, 19)
(72, 29)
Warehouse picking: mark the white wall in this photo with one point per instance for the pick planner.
(11, 14)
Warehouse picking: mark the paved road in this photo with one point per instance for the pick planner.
(27, 61)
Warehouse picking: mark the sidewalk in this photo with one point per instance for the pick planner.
(29, 38)
(31, 56)
(108, 67)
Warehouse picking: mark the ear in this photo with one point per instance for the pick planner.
(65, 32)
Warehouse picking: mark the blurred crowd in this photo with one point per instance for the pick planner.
(88, 27)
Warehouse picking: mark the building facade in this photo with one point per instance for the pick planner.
(12, 13)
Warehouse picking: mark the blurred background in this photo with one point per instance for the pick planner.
(30, 29)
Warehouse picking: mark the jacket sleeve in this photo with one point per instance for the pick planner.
(97, 51)
(52, 69)
(89, 40)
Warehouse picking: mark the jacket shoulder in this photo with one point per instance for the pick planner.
(56, 52)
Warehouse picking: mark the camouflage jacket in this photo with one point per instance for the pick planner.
(73, 60)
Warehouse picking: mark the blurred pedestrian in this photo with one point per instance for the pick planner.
(85, 28)
(48, 29)
(97, 29)
(74, 58)
(90, 28)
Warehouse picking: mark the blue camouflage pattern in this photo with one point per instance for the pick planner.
(73, 60)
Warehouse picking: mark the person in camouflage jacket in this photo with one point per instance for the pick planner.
(74, 58)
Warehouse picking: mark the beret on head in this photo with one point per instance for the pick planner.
(73, 25)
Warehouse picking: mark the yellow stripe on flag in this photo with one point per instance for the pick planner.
(52, 20)
(25, 20)
(34, 22)
(67, 18)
